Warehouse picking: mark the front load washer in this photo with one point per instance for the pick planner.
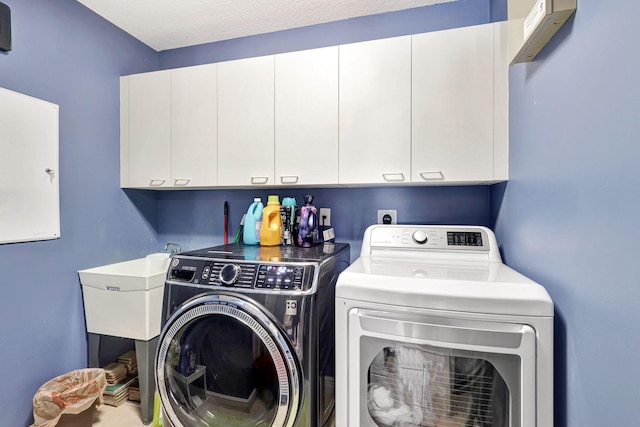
(433, 330)
(248, 336)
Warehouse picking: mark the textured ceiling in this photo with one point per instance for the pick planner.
(170, 24)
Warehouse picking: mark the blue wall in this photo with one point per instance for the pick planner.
(200, 222)
(65, 54)
(569, 215)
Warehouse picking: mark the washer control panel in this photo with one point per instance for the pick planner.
(279, 277)
(235, 274)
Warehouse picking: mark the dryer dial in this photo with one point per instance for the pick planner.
(229, 274)
(420, 237)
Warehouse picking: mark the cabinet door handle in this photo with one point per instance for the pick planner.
(289, 179)
(259, 179)
(157, 182)
(181, 181)
(432, 176)
(393, 177)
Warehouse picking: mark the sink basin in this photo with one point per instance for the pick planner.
(125, 299)
(135, 275)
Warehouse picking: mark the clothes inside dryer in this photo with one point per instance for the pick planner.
(412, 386)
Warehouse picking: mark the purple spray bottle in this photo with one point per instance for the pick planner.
(308, 227)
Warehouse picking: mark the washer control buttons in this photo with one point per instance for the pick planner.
(229, 274)
(282, 277)
(205, 272)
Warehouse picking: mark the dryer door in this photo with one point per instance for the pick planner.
(221, 361)
(415, 369)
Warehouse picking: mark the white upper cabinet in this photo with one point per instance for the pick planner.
(146, 130)
(501, 103)
(194, 126)
(375, 111)
(306, 117)
(246, 122)
(424, 109)
(169, 128)
(453, 105)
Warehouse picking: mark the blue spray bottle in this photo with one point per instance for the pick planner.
(252, 223)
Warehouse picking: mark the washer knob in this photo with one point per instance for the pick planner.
(420, 237)
(229, 274)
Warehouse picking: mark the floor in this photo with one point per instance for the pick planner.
(125, 415)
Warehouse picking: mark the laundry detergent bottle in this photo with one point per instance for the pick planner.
(252, 223)
(308, 227)
(271, 223)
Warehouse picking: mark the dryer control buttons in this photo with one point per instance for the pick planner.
(420, 237)
(229, 274)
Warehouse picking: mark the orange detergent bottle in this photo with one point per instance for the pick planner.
(271, 223)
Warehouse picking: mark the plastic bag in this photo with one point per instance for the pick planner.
(70, 393)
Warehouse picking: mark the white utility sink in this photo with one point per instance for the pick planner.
(125, 299)
(135, 275)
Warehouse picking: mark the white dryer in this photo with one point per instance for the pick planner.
(433, 330)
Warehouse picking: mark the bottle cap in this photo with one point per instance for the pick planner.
(274, 200)
(289, 201)
(308, 199)
(257, 199)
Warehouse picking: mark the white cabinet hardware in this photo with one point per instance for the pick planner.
(393, 177)
(289, 179)
(432, 176)
(259, 180)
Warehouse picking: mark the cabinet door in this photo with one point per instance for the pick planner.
(245, 122)
(306, 117)
(501, 102)
(452, 114)
(146, 141)
(194, 126)
(375, 111)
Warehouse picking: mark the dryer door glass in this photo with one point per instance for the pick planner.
(426, 371)
(420, 386)
(222, 362)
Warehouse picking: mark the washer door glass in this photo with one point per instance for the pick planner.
(222, 361)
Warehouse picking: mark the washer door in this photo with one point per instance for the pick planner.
(223, 361)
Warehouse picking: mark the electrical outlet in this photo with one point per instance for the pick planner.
(325, 217)
(387, 216)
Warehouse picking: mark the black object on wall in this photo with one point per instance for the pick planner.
(5, 27)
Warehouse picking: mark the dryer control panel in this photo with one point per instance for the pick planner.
(429, 238)
(448, 241)
(238, 274)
